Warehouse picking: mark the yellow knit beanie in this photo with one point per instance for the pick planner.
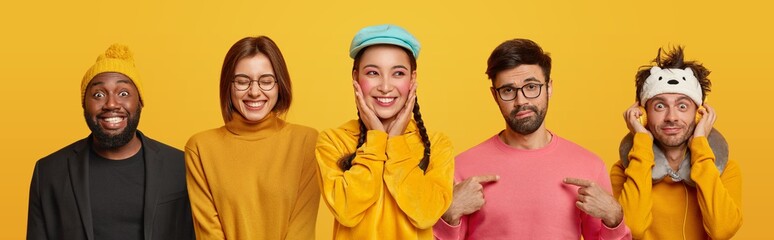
(117, 58)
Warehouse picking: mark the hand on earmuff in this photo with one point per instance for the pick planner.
(631, 117)
(705, 124)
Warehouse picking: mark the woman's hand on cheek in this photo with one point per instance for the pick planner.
(367, 114)
(399, 125)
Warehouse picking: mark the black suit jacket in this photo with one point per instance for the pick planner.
(59, 205)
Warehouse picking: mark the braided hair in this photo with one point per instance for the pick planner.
(345, 162)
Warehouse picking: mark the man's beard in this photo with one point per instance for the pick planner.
(104, 140)
(526, 125)
(673, 141)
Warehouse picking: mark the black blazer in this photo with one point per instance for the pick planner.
(59, 205)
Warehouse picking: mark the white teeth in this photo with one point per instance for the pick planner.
(255, 104)
(385, 100)
(113, 119)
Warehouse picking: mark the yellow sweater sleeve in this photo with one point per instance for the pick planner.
(206, 220)
(633, 185)
(422, 196)
(304, 215)
(719, 196)
(350, 193)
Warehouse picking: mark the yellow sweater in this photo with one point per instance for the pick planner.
(673, 210)
(253, 181)
(385, 195)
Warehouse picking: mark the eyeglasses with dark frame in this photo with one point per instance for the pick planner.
(529, 91)
(265, 82)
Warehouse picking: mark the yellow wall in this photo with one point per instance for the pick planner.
(46, 46)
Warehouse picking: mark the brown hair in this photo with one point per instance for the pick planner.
(345, 162)
(674, 59)
(517, 52)
(249, 47)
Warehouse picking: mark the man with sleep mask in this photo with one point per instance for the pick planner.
(674, 179)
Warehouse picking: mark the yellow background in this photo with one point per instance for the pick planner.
(46, 46)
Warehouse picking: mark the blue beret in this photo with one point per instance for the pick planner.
(383, 34)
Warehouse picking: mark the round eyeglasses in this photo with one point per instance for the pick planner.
(265, 82)
(529, 91)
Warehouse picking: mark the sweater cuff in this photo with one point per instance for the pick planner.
(443, 230)
(698, 147)
(375, 145)
(642, 144)
(398, 149)
(617, 232)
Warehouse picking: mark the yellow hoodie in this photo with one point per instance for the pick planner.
(674, 210)
(385, 195)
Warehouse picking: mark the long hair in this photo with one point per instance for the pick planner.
(249, 47)
(674, 59)
(345, 162)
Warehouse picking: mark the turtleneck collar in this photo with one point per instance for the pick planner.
(245, 129)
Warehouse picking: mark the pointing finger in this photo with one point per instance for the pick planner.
(485, 178)
(578, 182)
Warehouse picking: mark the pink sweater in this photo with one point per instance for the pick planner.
(530, 201)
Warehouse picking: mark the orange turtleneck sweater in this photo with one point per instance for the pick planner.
(253, 180)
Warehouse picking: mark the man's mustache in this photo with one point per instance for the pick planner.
(522, 108)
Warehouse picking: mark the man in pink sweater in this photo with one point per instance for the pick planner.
(526, 182)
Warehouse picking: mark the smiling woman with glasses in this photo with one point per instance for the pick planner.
(254, 177)
(265, 82)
